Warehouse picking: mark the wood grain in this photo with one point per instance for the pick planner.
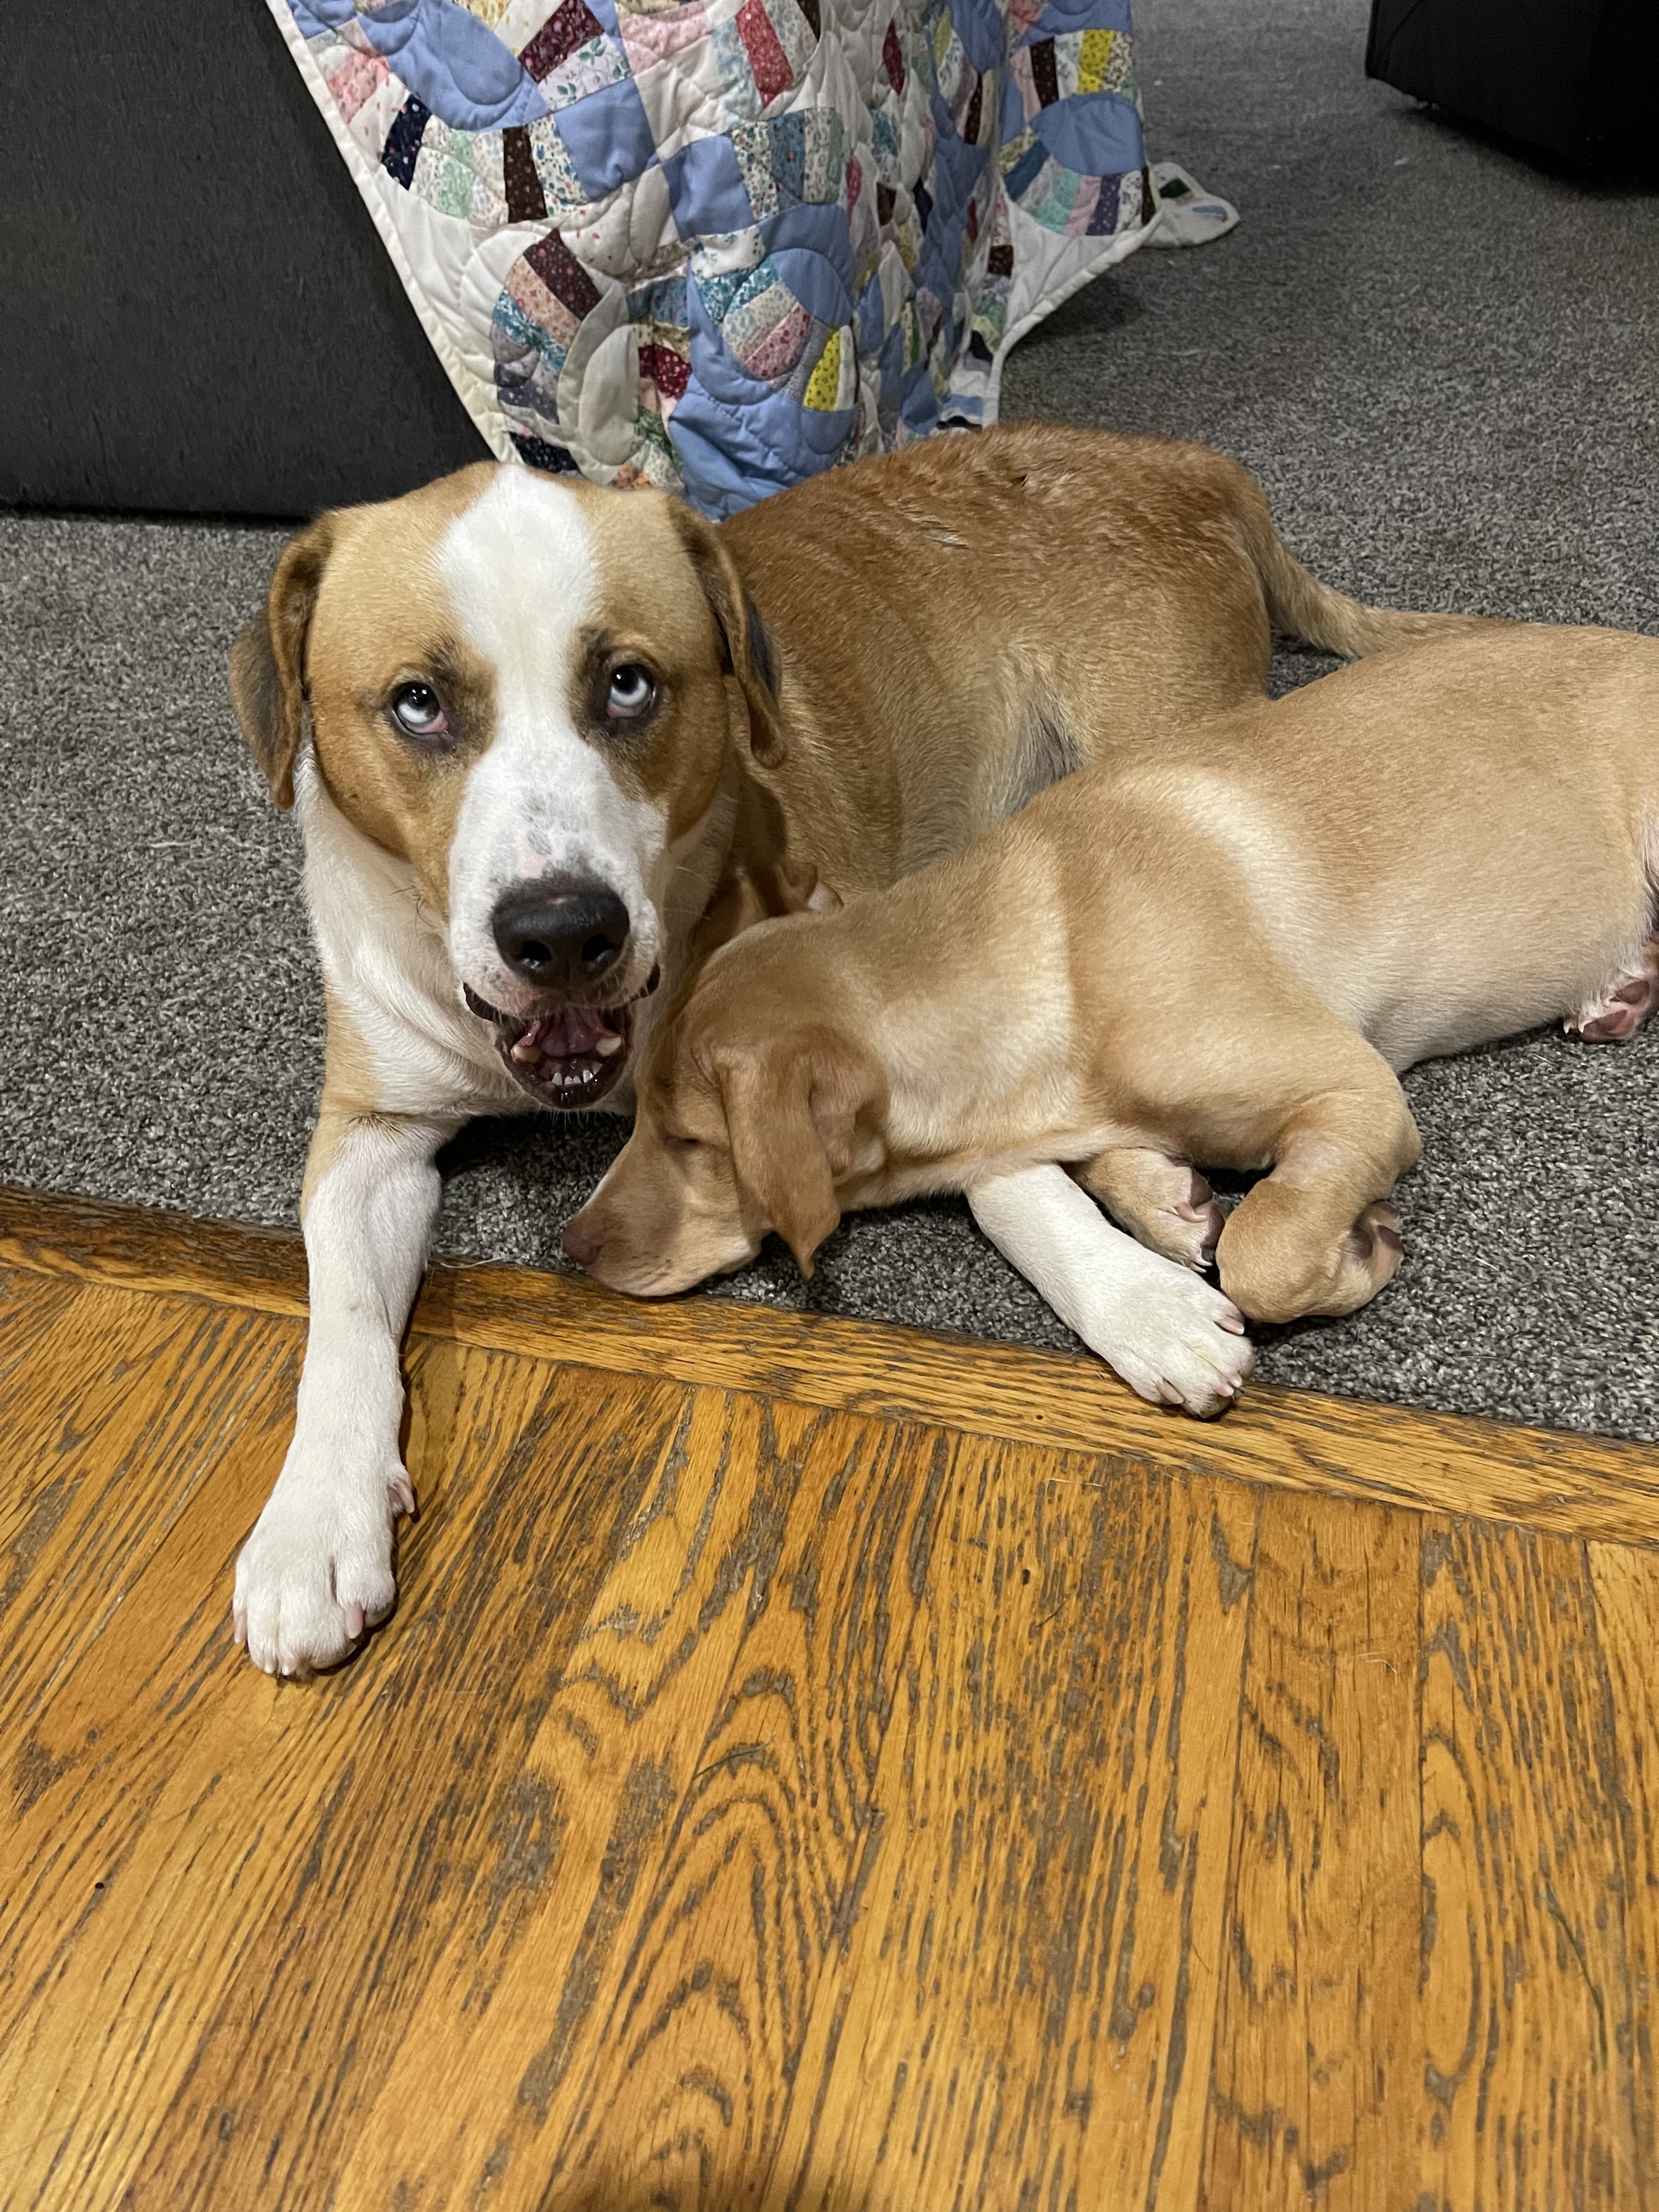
(1527, 2092)
(419, 1808)
(1298, 1440)
(1066, 1741)
(681, 2089)
(171, 1793)
(1626, 1589)
(734, 1662)
(757, 1804)
(1313, 2041)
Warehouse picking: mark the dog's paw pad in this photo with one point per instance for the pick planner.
(1619, 1010)
(1366, 1259)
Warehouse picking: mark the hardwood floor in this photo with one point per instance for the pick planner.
(811, 1767)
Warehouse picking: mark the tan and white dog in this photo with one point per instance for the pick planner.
(550, 744)
(1217, 951)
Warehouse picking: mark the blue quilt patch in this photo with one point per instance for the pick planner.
(671, 245)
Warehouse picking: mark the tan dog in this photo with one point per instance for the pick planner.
(550, 743)
(1219, 950)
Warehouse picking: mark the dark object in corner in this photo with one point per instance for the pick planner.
(1575, 79)
(199, 316)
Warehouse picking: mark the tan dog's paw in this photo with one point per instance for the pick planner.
(1282, 1256)
(1370, 1253)
(1164, 1204)
(1190, 1231)
(1364, 1261)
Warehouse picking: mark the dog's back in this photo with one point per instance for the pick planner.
(1447, 844)
(968, 620)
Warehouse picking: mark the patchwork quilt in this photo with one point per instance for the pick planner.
(718, 244)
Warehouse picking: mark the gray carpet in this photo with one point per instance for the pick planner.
(1439, 362)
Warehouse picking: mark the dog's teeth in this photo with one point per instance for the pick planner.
(606, 1046)
(524, 1051)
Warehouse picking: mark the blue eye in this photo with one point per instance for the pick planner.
(418, 711)
(632, 692)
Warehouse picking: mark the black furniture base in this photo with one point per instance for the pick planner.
(1577, 80)
(199, 316)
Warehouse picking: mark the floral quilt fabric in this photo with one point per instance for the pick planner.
(718, 244)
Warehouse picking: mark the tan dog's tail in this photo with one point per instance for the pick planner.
(1301, 607)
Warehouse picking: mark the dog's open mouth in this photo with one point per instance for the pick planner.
(568, 1059)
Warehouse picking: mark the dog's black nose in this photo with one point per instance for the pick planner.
(560, 937)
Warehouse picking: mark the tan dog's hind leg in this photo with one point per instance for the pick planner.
(1314, 1236)
(1163, 1204)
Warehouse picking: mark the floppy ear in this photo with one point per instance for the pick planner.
(790, 1109)
(748, 651)
(268, 660)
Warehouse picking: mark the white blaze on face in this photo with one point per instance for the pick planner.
(542, 801)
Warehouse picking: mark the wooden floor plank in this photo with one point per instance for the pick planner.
(614, 1744)
(682, 2093)
(30, 1304)
(1626, 1591)
(1574, 1484)
(1024, 2003)
(421, 1809)
(721, 1706)
(1313, 2035)
(105, 1435)
(105, 1953)
(1527, 2096)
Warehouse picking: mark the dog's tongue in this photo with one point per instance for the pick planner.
(573, 1032)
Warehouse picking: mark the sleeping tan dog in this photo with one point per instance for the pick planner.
(1217, 951)
(549, 744)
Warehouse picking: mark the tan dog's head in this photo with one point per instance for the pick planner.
(747, 1118)
(532, 691)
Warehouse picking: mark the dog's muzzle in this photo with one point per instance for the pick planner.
(567, 1059)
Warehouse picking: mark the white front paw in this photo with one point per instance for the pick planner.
(317, 1570)
(1172, 1338)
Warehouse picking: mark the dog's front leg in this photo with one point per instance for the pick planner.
(1167, 1332)
(317, 1570)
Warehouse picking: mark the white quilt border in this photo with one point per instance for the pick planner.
(478, 399)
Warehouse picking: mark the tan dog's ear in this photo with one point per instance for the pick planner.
(748, 650)
(790, 1110)
(268, 660)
